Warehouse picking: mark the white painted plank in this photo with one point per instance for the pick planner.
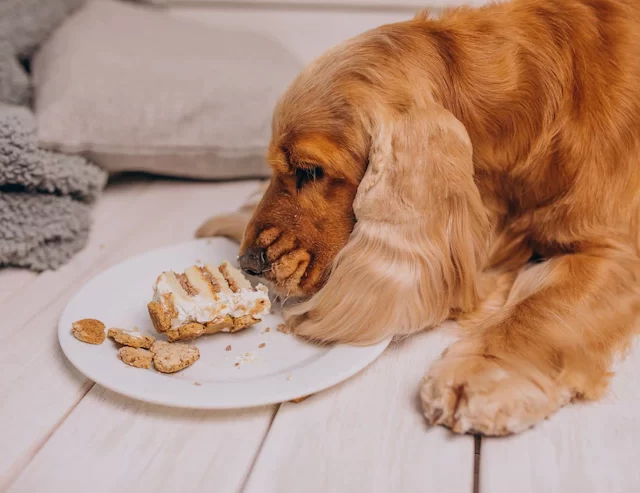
(13, 281)
(585, 448)
(306, 34)
(367, 435)
(37, 386)
(111, 443)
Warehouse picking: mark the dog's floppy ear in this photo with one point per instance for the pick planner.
(414, 255)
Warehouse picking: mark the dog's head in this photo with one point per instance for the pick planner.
(305, 216)
(318, 155)
(372, 207)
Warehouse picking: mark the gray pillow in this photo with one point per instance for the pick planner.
(23, 26)
(134, 89)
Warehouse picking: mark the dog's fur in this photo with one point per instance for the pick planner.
(447, 153)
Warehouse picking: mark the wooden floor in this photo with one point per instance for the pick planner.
(59, 432)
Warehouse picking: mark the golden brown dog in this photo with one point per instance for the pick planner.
(420, 167)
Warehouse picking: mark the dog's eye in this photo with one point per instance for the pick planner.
(306, 175)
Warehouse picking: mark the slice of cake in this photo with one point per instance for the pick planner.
(206, 299)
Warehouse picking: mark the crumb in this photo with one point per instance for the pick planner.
(299, 399)
(268, 329)
(131, 338)
(289, 376)
(248, 357)
(101, 246)
(262, 345)
(228, 348)
(197, 384)
(89, 330)
(283, 328)
(172, 357)
(136, 357)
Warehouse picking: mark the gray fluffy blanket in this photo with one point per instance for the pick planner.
(45, 196)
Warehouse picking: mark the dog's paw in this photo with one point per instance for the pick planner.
(231, 226)
(475, 394)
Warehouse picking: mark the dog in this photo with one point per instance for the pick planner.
(484, 167)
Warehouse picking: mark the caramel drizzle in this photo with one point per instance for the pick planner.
(227, 277)
(186, 285)
(207, 276)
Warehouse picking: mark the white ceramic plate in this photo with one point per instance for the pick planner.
(285, 368)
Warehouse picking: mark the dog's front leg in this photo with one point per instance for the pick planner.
(553, 341)
(232, 225)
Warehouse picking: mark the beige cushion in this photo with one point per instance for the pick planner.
(136, 90)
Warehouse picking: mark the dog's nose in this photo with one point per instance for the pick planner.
(253, 261)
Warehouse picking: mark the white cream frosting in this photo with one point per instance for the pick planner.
(206, 307)
(134, 333)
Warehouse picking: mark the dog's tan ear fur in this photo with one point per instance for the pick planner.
(416, 250)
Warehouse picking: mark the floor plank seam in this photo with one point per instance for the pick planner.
(259, 449)
(18, 289)
(477, 446)
(22, 464)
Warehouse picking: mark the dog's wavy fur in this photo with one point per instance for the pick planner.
(453, 151)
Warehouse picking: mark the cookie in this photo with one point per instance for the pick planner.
(186, 331)
(160, 317)
(136, 357)
(193, 330)
(131, 338)
(89, 330)
(172, 357)
(243, 322)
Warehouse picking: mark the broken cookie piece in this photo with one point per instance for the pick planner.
(193, 330)
(131, 338)
(206, 299)
(89, 330)
(283, 328)
(136, 357)
(172, 357)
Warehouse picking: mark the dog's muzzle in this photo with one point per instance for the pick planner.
(254, 261)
